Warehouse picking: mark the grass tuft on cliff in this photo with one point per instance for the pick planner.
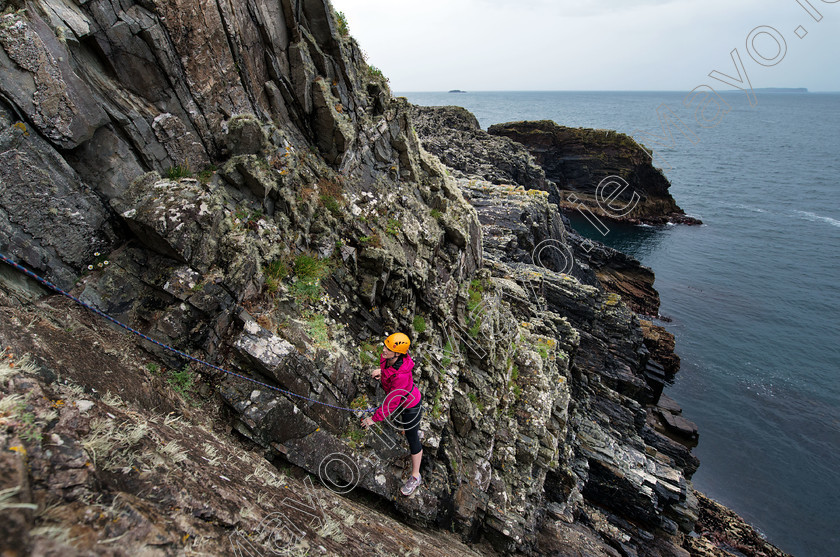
(179, 171)
(341, 22)
(377, 74)
(331, 196)
(309, 271)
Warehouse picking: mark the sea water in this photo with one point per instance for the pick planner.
(753, 295)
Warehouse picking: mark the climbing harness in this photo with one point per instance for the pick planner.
(51, 286)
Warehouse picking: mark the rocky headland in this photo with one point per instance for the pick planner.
(233, 180)
(578, 160)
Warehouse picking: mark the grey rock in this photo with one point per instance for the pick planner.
(107, 162)
(332, 127)
(38, 79)
(669, 404)
(178, 219)
(454, 135)
(50, 220)
(183, 148)
(245, 136)
(679, 425)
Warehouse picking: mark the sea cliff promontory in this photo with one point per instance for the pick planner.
(579, 160)
(235, 182)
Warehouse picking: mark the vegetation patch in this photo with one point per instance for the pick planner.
(331, 204)
(305, 194)
(356, 437)
(179, 171)
(376, 73)
(393, 227)
(274, 273)
(331, 196)
(341, 22)
(474, 299)
(309, 271)
(248, 218)
(373, 240)
(182, 382)
(477, 403)
(437, 406)
(368, 354)
(448, 350)
(109, 444)
(360, 403)
(475, 292)
(475, 328)
(30, 429)
(316, 326)
(544, 345)
(207, 174)
(419, 324)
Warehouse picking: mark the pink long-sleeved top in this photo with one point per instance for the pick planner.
(399, 380)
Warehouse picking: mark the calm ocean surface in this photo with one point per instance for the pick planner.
(754, 294)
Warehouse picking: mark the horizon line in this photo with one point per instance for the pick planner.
(602, 90)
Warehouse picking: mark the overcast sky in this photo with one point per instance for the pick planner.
(486, 45)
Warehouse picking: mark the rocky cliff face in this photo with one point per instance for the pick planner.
(233, 180)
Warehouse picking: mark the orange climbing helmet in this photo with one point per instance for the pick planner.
(398, 342)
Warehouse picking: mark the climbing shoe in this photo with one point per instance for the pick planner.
(410, 486)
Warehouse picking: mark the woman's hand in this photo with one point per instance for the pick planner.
(367, 422)
(376, 373)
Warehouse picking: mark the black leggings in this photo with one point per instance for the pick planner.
(409, 420)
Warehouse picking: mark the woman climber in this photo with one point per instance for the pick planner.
(394, 373)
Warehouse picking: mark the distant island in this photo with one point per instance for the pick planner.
(782, 89)
(457, 91)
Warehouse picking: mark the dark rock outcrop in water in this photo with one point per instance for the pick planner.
(232, 179)
(577, 160)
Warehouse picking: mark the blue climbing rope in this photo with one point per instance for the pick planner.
(51, 286)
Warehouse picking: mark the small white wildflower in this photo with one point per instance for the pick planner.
(96, 254)
(90, 267)
(106, 263)
(99, 265)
